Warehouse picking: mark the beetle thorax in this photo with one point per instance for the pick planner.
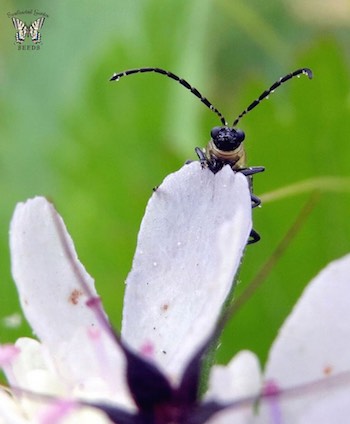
(235, 157)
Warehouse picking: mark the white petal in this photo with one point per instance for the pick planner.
(32, 358)
(60, 413)
(314, 342)
(335, 408)
(54, 301)
(189, 247)
(10, 413)
(240, 379)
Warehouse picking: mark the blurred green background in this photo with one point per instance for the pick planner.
(97, 148)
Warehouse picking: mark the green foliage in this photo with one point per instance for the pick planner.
(98, 148)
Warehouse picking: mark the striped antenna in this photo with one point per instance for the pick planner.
(282, 80)
(116, 77)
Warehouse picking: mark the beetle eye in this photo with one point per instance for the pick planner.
(240, 135)
(214, 132)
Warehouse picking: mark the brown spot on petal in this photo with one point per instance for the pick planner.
(165, 307)
(327, 370)
(74, 296)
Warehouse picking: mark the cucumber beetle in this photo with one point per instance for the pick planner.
(225, 146)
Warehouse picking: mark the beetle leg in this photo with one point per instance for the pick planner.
(253, 237)
(255, 200)
(252, 170)
(202, 157)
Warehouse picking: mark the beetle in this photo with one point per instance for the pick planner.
(225, 145)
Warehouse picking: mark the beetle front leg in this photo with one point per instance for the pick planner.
(202, 157)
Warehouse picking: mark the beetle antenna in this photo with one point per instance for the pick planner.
(116, 77)
(282, 80)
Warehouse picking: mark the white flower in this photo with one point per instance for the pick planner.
(307, 375)
(189, 248)
(191, 240)
(313, 348)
